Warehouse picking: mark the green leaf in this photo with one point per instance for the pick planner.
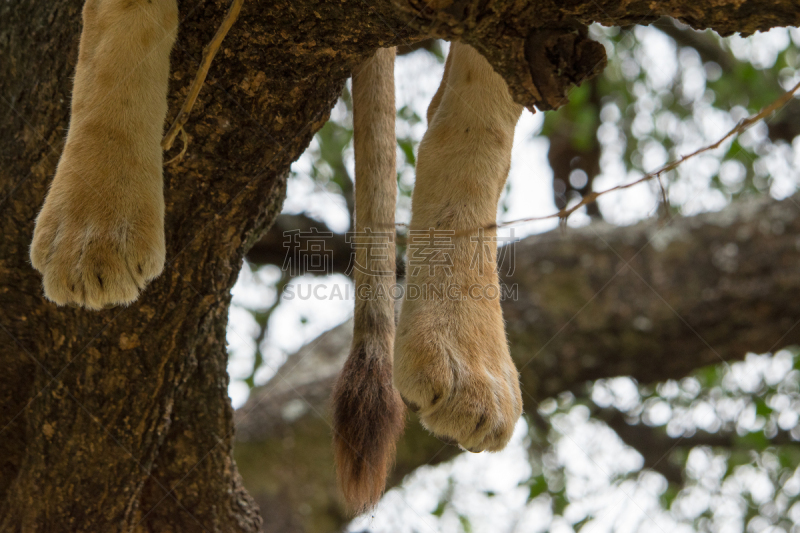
(559, 503)
(755, 440)
(407, 146)
(538, 485)
(762, 409)
(669, 496)
(440, 508)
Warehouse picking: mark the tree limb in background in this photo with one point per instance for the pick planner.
(650, 301)
(657, 448)
(272, 248)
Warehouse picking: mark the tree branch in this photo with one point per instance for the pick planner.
(513, 35)
(706, 45)
(649, 301)
(657, 448)
(273, 247)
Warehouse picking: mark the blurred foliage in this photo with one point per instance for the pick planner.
(666, 91)
(732, 431)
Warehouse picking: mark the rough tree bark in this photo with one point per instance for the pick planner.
(652, 301)
(119, 420)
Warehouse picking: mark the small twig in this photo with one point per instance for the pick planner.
(208, 56)
(742, 126)
(592, 196)
(183, 150)
(665, 207)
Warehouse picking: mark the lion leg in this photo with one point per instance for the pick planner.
(99, 237)
(452, 363)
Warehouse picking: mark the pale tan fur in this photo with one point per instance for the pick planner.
(100, 236)
(452, 362)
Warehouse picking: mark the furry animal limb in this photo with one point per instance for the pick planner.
(451, 361)
(99, 237)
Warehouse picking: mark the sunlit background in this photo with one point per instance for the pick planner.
(667, 91)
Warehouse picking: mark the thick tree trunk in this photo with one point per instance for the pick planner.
(652, 301)
(119, 420)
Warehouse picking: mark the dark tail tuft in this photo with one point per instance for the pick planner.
(368, 418)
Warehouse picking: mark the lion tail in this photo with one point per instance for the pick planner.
(368, 413)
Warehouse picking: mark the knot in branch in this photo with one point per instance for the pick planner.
(560, 57)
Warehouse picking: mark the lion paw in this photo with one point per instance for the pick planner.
(463, 384)
(96, 252)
